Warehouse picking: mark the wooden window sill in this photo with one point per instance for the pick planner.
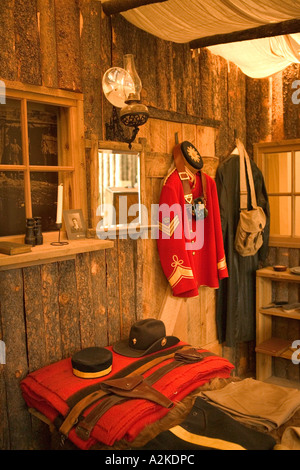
(122, 229)
(48, 253)
(284, 242)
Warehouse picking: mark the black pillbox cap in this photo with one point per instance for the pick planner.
(92, 362)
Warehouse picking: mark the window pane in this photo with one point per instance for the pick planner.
(12, 203)
(278, 168)
(10, 133)
(42, 134)
(280, 215)
(297, 216)
(297, 172)
(44, 198)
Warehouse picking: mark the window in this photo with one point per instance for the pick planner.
(41, 146)
(280, 165)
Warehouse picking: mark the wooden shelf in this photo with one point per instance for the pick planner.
(278, 312)
(269, 273)
(275, 347)
(264, 318)
(48, 253)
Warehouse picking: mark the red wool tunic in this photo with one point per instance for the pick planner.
(191, 252)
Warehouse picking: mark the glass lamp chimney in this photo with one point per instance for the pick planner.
(129, 66)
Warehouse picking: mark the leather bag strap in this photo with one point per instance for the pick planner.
(244, 158)
(251, 182)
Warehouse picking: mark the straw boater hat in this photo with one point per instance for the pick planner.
(92, 363)
(146, 336)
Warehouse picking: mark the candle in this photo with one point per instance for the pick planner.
(60, 190)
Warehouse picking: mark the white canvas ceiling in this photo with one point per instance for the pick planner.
(260, 58)
(182, 21)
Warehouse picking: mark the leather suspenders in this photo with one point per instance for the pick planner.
(133, 385)
(136, 367)
(143, 390)
(81, 405)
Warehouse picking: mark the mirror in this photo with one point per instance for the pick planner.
(119, 187)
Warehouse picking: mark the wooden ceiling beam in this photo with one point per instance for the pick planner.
(265, 31)
(112, 7)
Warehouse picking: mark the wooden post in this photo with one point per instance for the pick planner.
(25, 151)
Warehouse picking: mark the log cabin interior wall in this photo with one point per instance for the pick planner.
(50, 310)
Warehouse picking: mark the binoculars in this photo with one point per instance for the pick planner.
(33, 234)
(198, 209)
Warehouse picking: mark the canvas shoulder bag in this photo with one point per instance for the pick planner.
(249, 234)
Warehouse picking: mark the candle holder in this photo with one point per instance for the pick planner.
(59, 242)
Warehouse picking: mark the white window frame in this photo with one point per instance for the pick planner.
(292, 146)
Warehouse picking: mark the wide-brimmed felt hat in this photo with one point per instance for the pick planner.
(92, 363)
(191, 155)
(146, 336)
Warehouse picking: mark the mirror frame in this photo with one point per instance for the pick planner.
(139, 148)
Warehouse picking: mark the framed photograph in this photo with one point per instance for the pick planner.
(75, 225)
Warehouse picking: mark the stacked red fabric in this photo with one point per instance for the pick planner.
(49, 389)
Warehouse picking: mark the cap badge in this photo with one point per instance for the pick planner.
(193, 154)
(163, 341)
(134, 340)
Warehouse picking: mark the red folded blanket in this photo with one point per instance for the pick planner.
(50, 391)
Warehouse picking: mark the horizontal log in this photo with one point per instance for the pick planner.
(43, 168)
(265, 31)
(117, 6)
(166, 115)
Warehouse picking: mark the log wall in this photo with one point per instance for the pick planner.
(69, 45)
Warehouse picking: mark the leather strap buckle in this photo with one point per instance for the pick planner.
(83, 433)
(185, 176)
